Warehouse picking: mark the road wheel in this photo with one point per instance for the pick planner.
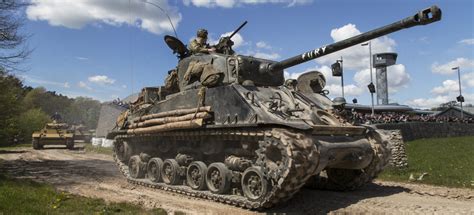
(254, 185)
(170, 172)
(123, 150)
(154, 169)
(196, 175)
(218, 178)
(136, 167)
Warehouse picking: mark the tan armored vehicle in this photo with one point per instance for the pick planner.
(53, 134)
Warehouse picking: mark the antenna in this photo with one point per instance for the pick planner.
(166, 13)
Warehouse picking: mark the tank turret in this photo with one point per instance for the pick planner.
(229, 69)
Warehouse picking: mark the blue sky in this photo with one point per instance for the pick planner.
(110, 48)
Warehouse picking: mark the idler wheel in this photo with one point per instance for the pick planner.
(254, 185)
(123, 150)
(170, 172)
(218, 178)
(154, 169)
(136, 167)
(196, 175)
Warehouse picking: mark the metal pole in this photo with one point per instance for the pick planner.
(371, 80)
(342, 78)
(460, 93)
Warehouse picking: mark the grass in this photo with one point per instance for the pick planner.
(448, 162)
(101, 150)
(21, 196)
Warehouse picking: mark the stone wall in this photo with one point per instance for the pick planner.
(418, 130)
(397, 148)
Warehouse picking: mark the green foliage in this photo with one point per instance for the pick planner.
(28, 197)
(448, 162)
(10, 105)
(49, 102)
(83, 111)
(30, 121)
(23, 109)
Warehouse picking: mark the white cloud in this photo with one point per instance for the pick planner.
(76, 14)
(101, 79)
(428, 103)
(233, 3)
(83, 85)
(270, 56)
(468, 79)
(446, 69)
(41, 81)
(449, 86)
(237, 39)
(467, 41)
(357, 56)
(262, 45)
(437, 100)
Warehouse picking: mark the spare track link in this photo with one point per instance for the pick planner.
(303, 165)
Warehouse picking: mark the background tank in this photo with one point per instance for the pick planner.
(231, 129)
(53, 133)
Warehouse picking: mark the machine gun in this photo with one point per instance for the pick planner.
(225, 43)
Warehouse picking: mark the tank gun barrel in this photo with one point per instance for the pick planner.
(423, 17)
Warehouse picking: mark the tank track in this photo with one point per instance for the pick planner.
(348, 179)
(300, 166)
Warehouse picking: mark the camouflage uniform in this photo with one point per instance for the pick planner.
(196, 47)
(199, 47)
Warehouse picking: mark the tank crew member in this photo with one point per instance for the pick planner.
(56, 117)
(199, 45)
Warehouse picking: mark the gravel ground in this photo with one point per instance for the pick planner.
(96, 175)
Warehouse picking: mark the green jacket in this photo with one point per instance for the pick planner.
(196, 47)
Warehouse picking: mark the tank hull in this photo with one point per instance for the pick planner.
(53, 134)
(238, 128)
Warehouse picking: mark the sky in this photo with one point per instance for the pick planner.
(106, 49)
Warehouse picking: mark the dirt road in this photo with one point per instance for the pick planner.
(95, 175)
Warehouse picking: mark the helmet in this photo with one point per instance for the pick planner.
(339, 101)
(202, 33)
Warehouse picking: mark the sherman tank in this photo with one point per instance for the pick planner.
(231, 129)
(53, 133)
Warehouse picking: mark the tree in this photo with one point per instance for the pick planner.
(13, 49)
(30, 121)
(10, 105)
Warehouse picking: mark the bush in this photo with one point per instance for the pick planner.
(30, 121)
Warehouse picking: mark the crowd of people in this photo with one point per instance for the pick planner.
(383, 118)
